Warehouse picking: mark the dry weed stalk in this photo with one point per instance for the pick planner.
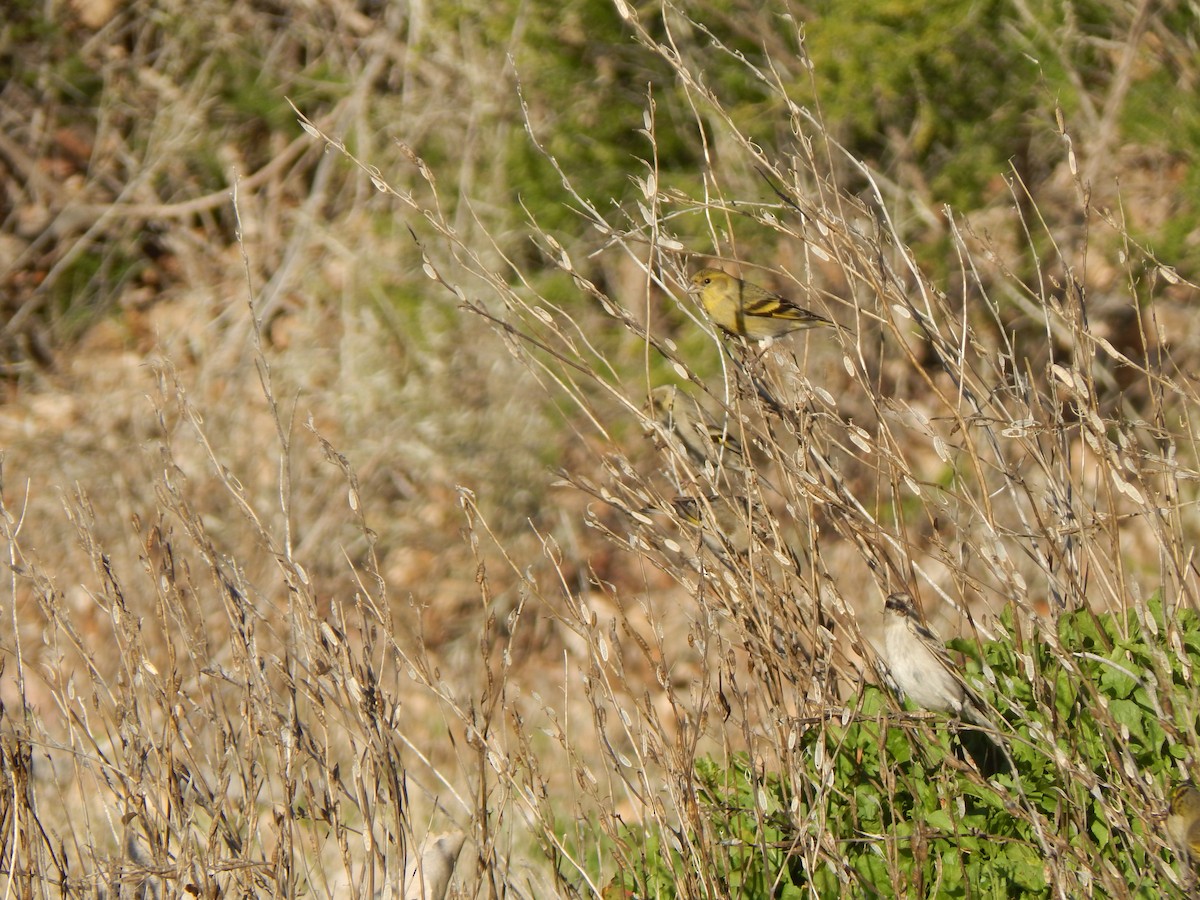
(985, 447)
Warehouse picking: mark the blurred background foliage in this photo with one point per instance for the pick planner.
(123, 124)
(949, 102)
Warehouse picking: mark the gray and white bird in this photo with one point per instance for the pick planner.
(427, 874)
(922, 671)
(921, 668)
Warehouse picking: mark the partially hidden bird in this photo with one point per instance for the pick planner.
(701, 438)
(1183, 820)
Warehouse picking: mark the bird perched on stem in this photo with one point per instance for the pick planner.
(1183, 821)
(923, 672)
(722, 523)
(743, 308)
(702, 439)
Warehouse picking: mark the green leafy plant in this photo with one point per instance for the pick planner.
(888, 804)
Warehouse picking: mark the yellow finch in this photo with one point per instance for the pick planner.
(722, 523)
(702, 439)
(1183, 822)
(739, 307)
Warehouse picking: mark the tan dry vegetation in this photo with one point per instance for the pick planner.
(341, 521)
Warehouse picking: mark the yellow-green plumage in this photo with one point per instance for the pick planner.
(742, 308)
(702, 439)
(1183, 822)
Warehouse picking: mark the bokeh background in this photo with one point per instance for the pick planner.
(332, 511)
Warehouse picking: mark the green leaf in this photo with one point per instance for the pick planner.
(940, 820)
